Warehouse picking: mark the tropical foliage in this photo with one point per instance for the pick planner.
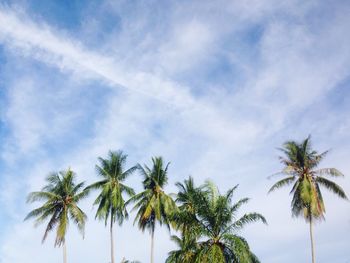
(60, 196)
(207, 222)
(110, 201)
(300, 165)
(209, 229)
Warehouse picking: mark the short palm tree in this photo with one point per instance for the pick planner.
(153, 204)
(187, 198)
(110, 201)
(300, 164)
(61, 196)
(210, 234)
(185, 221)
(216, 214)
(187, 252)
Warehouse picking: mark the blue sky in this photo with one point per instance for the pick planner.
(212, 86)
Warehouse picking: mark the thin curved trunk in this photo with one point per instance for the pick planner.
(64, 252)
(312, 242)
(152, 246)
(112, 241)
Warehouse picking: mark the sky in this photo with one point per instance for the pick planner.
(215, 87)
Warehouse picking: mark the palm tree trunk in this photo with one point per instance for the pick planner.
(64, 252)
(152, 246)
(112, 241)
(312, 242)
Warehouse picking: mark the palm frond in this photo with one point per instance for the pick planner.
(329, 171)
(331, 186)
(39, 196)
(281, 183)
(247, 219)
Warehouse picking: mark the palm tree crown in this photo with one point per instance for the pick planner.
(210, 232)
(153, 203)
(300, 165)
(61, 196)
(110, 201)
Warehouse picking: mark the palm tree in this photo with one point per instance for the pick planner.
(216, 215)
(153, 204)
(210, 235)
(187, 198)
(185, 221)
(187, 252)
(110, 201)
(61, 196)
(300, 164)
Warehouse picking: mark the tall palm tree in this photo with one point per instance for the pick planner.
(61, 196)
(153, 204)
(110, 201)
(214, 225)
(300, 164)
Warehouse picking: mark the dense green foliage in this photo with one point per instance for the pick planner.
(208, 225)
(110, 201)
(61, 196)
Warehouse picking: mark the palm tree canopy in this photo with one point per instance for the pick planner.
(110, 201)
(153, 204)
(300, 164)
(61, 196)
(210, 234)
(217, 215)
(187, 251)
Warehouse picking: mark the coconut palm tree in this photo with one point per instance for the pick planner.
(300, 164)
(187, 198)
(217, 215)
(211, 235)
(153, 204)
(110, 201)
(61, 196)
(187, 252)
(186, 222)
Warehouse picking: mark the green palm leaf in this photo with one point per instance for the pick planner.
(282, 183)
(331, 186)
(209, 219)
